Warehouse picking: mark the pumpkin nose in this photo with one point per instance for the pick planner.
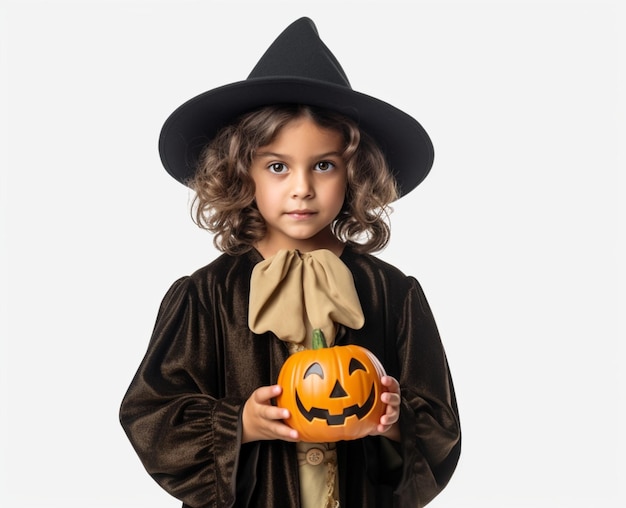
(338, 391)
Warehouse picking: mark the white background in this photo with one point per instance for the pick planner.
(514, 235)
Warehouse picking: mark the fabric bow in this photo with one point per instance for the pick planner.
(294, 292)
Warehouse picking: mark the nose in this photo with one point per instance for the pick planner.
(302, 184)
(338, 391)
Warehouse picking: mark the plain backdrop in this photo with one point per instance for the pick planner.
(515, 235)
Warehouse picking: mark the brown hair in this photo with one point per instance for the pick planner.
(224, 201)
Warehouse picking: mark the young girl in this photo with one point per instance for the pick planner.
(293, 172)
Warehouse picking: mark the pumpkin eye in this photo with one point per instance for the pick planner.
(355, 365)
(315, 368)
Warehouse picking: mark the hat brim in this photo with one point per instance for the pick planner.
(405, 143)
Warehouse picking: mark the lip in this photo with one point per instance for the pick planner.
(301, 214)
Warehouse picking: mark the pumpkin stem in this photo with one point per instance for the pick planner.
(318, 341)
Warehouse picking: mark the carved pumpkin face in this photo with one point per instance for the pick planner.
(333, 393)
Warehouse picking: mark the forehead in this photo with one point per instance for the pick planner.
(304, 133)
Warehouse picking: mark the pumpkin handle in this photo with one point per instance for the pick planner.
(318, 341)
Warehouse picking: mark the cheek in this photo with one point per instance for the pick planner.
(335, 196)
(266, 196)
(261, 200)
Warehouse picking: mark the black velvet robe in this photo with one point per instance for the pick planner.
(182, 411)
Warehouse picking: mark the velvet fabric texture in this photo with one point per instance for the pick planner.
(182, 411)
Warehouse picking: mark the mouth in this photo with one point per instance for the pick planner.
(323, 414)
(301, 214)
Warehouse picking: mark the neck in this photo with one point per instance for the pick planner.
(269, 249)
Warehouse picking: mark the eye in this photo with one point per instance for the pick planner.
(324, 166)
(355, 365)
(316, 369)
(277, 168)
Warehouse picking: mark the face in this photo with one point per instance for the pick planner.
(300, 181)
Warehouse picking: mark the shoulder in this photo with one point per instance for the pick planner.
(226, 267)
(226, 273)
(368, 265)
(373, 276)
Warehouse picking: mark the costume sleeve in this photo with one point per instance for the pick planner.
(187, 437)
(429, 421)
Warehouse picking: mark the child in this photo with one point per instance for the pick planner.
(293, 172)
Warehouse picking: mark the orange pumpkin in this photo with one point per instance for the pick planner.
(332, 394)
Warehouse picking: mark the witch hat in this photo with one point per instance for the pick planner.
(298, 68)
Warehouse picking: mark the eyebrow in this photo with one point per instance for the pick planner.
(282, 156)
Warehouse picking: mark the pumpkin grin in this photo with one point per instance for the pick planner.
(338, 419)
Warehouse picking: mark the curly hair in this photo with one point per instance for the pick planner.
(224, 201)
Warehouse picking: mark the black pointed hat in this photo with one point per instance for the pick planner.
(298, 68)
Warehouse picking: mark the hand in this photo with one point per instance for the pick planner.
(388, 425)
(262, 420)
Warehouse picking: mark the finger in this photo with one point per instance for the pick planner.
(265, 394)
(388, 420)
(286, 433)
(381, 429)
(275, 413)
(391, 383)
(390, 398)
(277, 429)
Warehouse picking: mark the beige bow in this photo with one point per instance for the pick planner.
(293, 292)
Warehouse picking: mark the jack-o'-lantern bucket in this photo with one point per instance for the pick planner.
(332, 393)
